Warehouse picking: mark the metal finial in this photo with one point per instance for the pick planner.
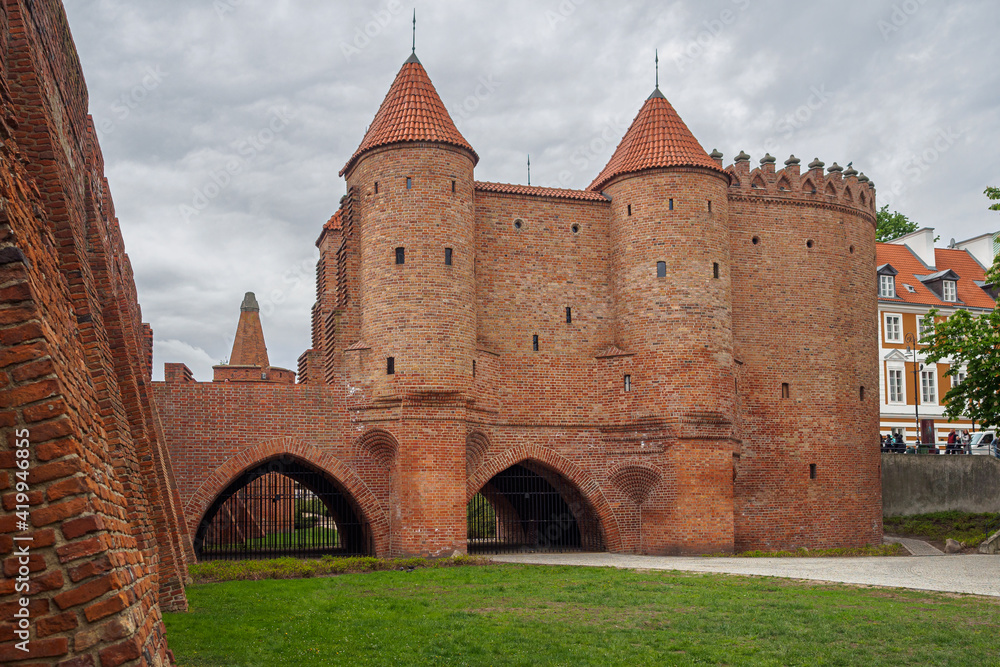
(414, 30)
(529, 168)
(657, 68)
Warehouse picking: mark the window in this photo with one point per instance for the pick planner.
(409, 182)
(661, 269)
(893, 328)
(950, 293)
(453, 186)
(473, 368)
(786, 391)
(895, 385)
(630, 209)
(569, 315)
(376, 187)
(862, 393)
(709, 205)
(671, 204)
(447, 256)
(400, 255)
(887, 287)
(812, 471)
(534, 343)
(390, 366)
(959, 377)
(628, 383)
(715, 269)
(928, 386)
(925, 329)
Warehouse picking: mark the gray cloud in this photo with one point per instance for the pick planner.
(180, 90)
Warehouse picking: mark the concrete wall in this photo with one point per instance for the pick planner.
(922, 484)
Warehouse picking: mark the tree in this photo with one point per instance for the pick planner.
(892, 225)
(971, 343)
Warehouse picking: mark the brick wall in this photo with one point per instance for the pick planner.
(109, 548)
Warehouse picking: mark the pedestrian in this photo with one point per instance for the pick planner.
(952, 439)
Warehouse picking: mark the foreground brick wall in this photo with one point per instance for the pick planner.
(109, 548)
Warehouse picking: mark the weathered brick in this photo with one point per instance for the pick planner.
(50, 625)
(84, 593)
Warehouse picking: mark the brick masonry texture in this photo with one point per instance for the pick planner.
(110, 546)
(767, 283)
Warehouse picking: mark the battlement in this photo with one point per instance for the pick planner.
(836, 187)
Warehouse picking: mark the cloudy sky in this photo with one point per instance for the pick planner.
(224, 122)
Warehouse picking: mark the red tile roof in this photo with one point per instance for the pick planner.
(657, 138)
(909, 266)
(335, 222)
(411, 111)
(506, 188)
(968, 270)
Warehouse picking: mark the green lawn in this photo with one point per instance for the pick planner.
(301, 538)
(530, 615)
(969, 529)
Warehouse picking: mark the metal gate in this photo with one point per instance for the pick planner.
(282, 508)
(521, 510)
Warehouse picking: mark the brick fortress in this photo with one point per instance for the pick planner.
(685, 351)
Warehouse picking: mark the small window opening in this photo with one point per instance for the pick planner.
(709, 205)
(534, 342)
(630, 209)
(576, 229)
(376, 187)
(661, 269)
(409, 182)
(862, 392)
(809, 243)
(755, 240)
(812, 471)
(569, 315)
(852, 250)
(473, 368)
(453, 186)
(628, 383)
(786, 391)
(518, 223)
(715, 269)
(447, 256)
(390, 366)
(671, 204)
(400, 255)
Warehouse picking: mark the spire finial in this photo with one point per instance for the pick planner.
(529, 168)
(414, 30)
(657, 69)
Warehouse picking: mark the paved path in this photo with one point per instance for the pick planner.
(915, 547)
(976, 574)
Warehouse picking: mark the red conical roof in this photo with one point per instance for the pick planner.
(657, 138)
(248, 347)
(411, 111)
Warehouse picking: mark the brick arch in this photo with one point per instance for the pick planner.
(250, 457)
(379, 444)
(476, 445)
(636, 481)
(578, 477)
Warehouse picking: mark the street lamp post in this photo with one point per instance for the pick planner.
(911, 346)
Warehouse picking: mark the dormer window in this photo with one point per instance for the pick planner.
(949, 291)
(887, 287)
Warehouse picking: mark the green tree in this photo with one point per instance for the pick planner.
(892, 225)
(994, 194)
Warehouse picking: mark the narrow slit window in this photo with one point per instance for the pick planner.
(390, 366)
(671, 204)
(400, 255)
(409, 182)
(447, 256)
(453, 186)
(376, 187)
(473, 368)
(628, 383)
(661, 269)
(630, 209)
(534, 342)
(786, 391)
(569, 315)
(812, 471)
(709, 205)
(862, 392)
(715, 269)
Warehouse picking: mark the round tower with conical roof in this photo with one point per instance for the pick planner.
(673, 310)
(411, 181)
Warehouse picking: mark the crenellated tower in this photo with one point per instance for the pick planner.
(670, 276)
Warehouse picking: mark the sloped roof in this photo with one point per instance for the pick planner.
(562, 193)
(909, 266)
(411, 111)
(657, 138)
(969, 270)
(336, 221)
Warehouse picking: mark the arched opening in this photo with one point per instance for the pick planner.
(282, 507)
(529, 507)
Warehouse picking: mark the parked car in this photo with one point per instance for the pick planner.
(985, 443)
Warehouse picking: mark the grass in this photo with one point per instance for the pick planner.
(299, 568)
(531, 615)
(969, 529)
